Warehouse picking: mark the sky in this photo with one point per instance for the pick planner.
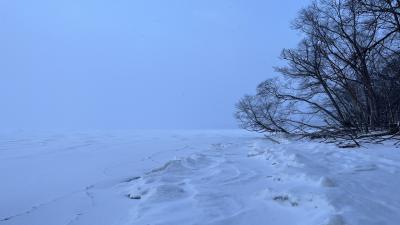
(136, 64)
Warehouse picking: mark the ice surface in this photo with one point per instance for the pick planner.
(193, 177)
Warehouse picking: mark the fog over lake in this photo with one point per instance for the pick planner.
(101, 64)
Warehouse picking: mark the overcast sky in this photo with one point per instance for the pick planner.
(131, 64)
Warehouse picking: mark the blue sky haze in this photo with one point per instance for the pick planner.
(131, 64)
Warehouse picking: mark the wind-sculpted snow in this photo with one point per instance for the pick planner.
(228, 184)
(194, 178)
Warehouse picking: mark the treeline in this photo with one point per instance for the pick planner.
(342, 79)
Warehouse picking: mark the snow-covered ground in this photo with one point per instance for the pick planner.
(193, 177)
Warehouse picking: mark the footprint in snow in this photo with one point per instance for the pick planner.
(255, 153)
(327, 182)
(285, 199)
(335, 220)
(365, 168)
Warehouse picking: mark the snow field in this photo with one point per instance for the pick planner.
(193, 178)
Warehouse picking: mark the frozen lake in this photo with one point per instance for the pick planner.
(192, 177)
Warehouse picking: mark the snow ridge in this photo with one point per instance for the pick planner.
(224, 185)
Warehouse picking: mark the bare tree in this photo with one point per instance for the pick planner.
(344, 76)
(263, 112)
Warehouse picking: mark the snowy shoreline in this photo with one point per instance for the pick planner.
(195, 177)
